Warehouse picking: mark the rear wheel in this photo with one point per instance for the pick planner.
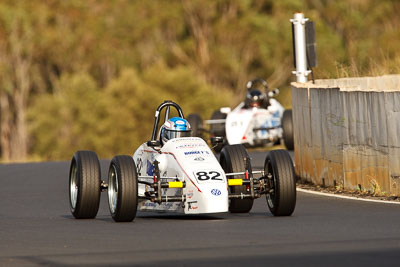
(287, 127)
(196, 123)
(122, 189)
(232, 160)
(84, 185)
(278, 165)
(218, 129)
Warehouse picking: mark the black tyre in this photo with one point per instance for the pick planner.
(84, 185)
(218, 129)
(196, 123)
(122, 189)
(287, 127)
(282, 200)
(232, 160)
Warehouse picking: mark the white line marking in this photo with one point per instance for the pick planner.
(346, 197)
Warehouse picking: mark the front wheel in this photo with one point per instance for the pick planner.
(232, 160)
(279, 168)
(84, 185)
(122, 189)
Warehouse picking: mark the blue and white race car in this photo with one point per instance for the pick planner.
(258, 121)
(174, 172)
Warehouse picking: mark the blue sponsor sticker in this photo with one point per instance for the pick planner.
(216, 192)
(150, 168)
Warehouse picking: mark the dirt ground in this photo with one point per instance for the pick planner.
(340, 191)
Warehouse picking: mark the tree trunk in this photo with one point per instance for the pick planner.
(199, 28)
(19, 143)
(17, 54)
(21, 92)
(5, 127)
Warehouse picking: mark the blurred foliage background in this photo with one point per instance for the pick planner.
(89, 74)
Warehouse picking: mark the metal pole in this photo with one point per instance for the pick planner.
(300, 47)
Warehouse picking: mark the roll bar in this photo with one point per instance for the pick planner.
(167, 104)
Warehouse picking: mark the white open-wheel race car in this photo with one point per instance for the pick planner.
(258, 121)
(182, 175)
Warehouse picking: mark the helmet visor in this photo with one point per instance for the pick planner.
(170, 134)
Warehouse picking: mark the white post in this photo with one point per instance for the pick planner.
(300, 47)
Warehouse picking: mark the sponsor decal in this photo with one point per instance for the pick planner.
(192, 205)
(199, 159)
(179, 122)
(150, 168)
(189, 145)
(139, 164)
(196, 152)
(167, 205)
(164, 205)
(216, 192)
(189, 194)
(149, 204)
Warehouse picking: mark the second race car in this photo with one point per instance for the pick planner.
(258, 121)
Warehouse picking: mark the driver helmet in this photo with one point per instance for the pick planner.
(174, 128)
(255, 98)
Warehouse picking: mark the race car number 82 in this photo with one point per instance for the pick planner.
(211, 175)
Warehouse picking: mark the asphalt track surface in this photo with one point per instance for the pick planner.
(37, 228)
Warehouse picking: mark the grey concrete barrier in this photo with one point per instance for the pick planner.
(347, 133)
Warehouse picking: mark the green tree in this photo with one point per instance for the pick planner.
(134, 54)
(69, 120)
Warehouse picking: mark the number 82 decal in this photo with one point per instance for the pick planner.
(203, 176)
